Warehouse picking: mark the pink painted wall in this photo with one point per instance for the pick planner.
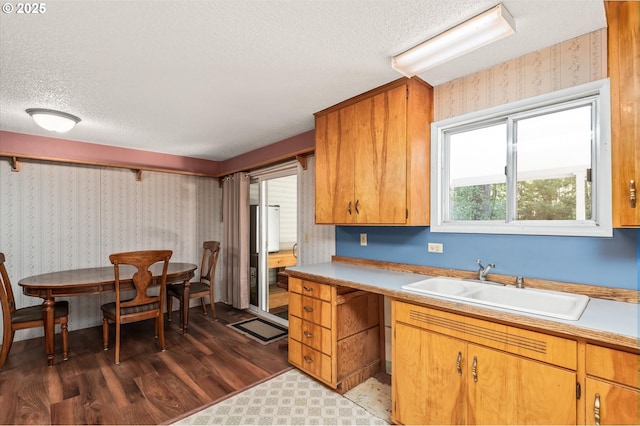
(30, 146)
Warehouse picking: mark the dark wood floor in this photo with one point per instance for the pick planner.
(148, 386)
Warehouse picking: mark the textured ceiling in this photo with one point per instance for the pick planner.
(215, 79)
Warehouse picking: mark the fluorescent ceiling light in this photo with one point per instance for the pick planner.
(489, 26)
(54, 121)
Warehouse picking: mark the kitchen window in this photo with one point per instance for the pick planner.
(539, 166)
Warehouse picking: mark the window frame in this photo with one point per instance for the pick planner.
(601, 223)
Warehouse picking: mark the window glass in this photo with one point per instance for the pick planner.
(538, 166)
(553, 154)
(477, 182)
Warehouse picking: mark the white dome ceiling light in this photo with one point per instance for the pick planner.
(54, 121)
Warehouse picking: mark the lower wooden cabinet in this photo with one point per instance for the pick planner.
(612, 387)
(429, 385)
(334, 333)
(611, 404)
(510, 389)
(455, 369)
(445, 371)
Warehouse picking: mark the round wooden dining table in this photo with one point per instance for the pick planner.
(89, 281)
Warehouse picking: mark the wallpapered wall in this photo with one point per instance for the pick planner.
(317, 242)
(567, 64)
(59, 216)
(56, 216)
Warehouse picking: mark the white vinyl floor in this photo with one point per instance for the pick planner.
(291, 398)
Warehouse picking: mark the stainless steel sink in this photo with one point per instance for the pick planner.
(554, 304)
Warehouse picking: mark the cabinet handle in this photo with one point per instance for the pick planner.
(459, 364)
(308, 360)
(307, 334)
(307, 288)
(308, 309)
(632, 193)
(474, 369)
(349, 207)
(596, 409)
(358, 206)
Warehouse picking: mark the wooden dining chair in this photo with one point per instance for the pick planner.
(199, 289)
(30, 317)
(142, 306)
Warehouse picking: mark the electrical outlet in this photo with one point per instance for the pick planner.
(363, 239)
(435, 247)
(306, 237)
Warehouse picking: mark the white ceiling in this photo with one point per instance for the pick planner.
(215, 79)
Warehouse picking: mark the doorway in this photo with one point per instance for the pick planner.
(274, 237)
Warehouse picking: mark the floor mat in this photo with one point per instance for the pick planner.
(260, 330)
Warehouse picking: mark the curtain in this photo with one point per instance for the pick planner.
(235, 244)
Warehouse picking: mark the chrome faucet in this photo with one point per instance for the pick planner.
(484, 270)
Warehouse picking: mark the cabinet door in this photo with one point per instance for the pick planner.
(609, 404)
(335, 170)
(508, 389)
(427, 386)
(623, 20)
(380, 133)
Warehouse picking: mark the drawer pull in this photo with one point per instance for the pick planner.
(474, 369)
(459, 364)
(307, 288)
(308, 308)
(308, 360)
(307, 334)
(632, 194)
(596, 409)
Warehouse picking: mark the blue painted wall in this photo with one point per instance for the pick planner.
(610, 262)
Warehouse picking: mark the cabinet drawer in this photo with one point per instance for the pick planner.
(531, 344)
(617, 366)
(307, 359)
(314, 335)
(310, 309)
(310, 288)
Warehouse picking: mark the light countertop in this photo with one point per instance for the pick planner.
(604, 321)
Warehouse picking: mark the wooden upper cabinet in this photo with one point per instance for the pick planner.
(623, 19)
(372, 157)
